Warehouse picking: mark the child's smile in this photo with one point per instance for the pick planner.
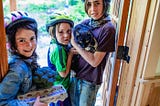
(25, 42)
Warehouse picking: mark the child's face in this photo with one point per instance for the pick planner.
(95, 8)
(25, 42)
(63, 33)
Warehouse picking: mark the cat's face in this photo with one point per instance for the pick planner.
(85, 38)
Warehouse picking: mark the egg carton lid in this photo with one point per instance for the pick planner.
(53, 94)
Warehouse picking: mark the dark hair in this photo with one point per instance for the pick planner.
(12, 32)
(106, 6)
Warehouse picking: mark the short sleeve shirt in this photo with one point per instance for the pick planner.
(58, 57)
(105, 36)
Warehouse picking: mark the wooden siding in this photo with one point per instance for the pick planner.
(3, 51)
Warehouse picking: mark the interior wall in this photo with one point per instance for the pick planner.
(146, 88)
(158, 67)
(157, 42)
(134, 41)
(153, 53)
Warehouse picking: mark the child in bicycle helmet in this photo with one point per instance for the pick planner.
(60, 27)
(21, 33)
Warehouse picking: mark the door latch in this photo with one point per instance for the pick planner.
(122, 53)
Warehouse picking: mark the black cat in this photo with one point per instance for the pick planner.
(84, 37)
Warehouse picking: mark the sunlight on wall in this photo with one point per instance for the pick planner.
(158, 68)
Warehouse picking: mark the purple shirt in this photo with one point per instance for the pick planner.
(105, 36)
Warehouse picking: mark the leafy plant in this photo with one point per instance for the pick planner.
(41, 11)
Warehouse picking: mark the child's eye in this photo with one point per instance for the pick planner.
(61, 32)
(33, 38)
(89, 5)
(97, 3)
(69, 31)
(21, 40)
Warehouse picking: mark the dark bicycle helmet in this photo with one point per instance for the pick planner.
(16, 17)
(56, 18)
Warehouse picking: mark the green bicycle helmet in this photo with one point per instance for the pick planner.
(56, 18)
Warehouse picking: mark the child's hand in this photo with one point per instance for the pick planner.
(73, 51)
(38, 103)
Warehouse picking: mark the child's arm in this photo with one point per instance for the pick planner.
(94, 59)
(69, 59)
(10, 86)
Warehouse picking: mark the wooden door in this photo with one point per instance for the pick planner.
(139, 85)
(3, 50)
(147, 85)
(120, 10)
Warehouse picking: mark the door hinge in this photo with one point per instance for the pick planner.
(122, 53)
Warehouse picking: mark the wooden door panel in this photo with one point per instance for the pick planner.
(3, 51)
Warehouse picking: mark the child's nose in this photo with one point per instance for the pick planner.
(93, 7)
(66, 35)
(29, 43)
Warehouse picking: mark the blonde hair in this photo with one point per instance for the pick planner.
(52, 30)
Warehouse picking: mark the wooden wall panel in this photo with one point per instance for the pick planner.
(154, 96)
(158, 67)
(121, 30)
(147, 85)
(147, 35)
(135, 38)
(3, 51)
(148, 93)
(153, 52)
(13, 5)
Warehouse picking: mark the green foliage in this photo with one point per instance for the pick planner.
(76, 11)
(37, 8)
(73, 2)
(41, 11)
(6, 10)
(3, 0)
